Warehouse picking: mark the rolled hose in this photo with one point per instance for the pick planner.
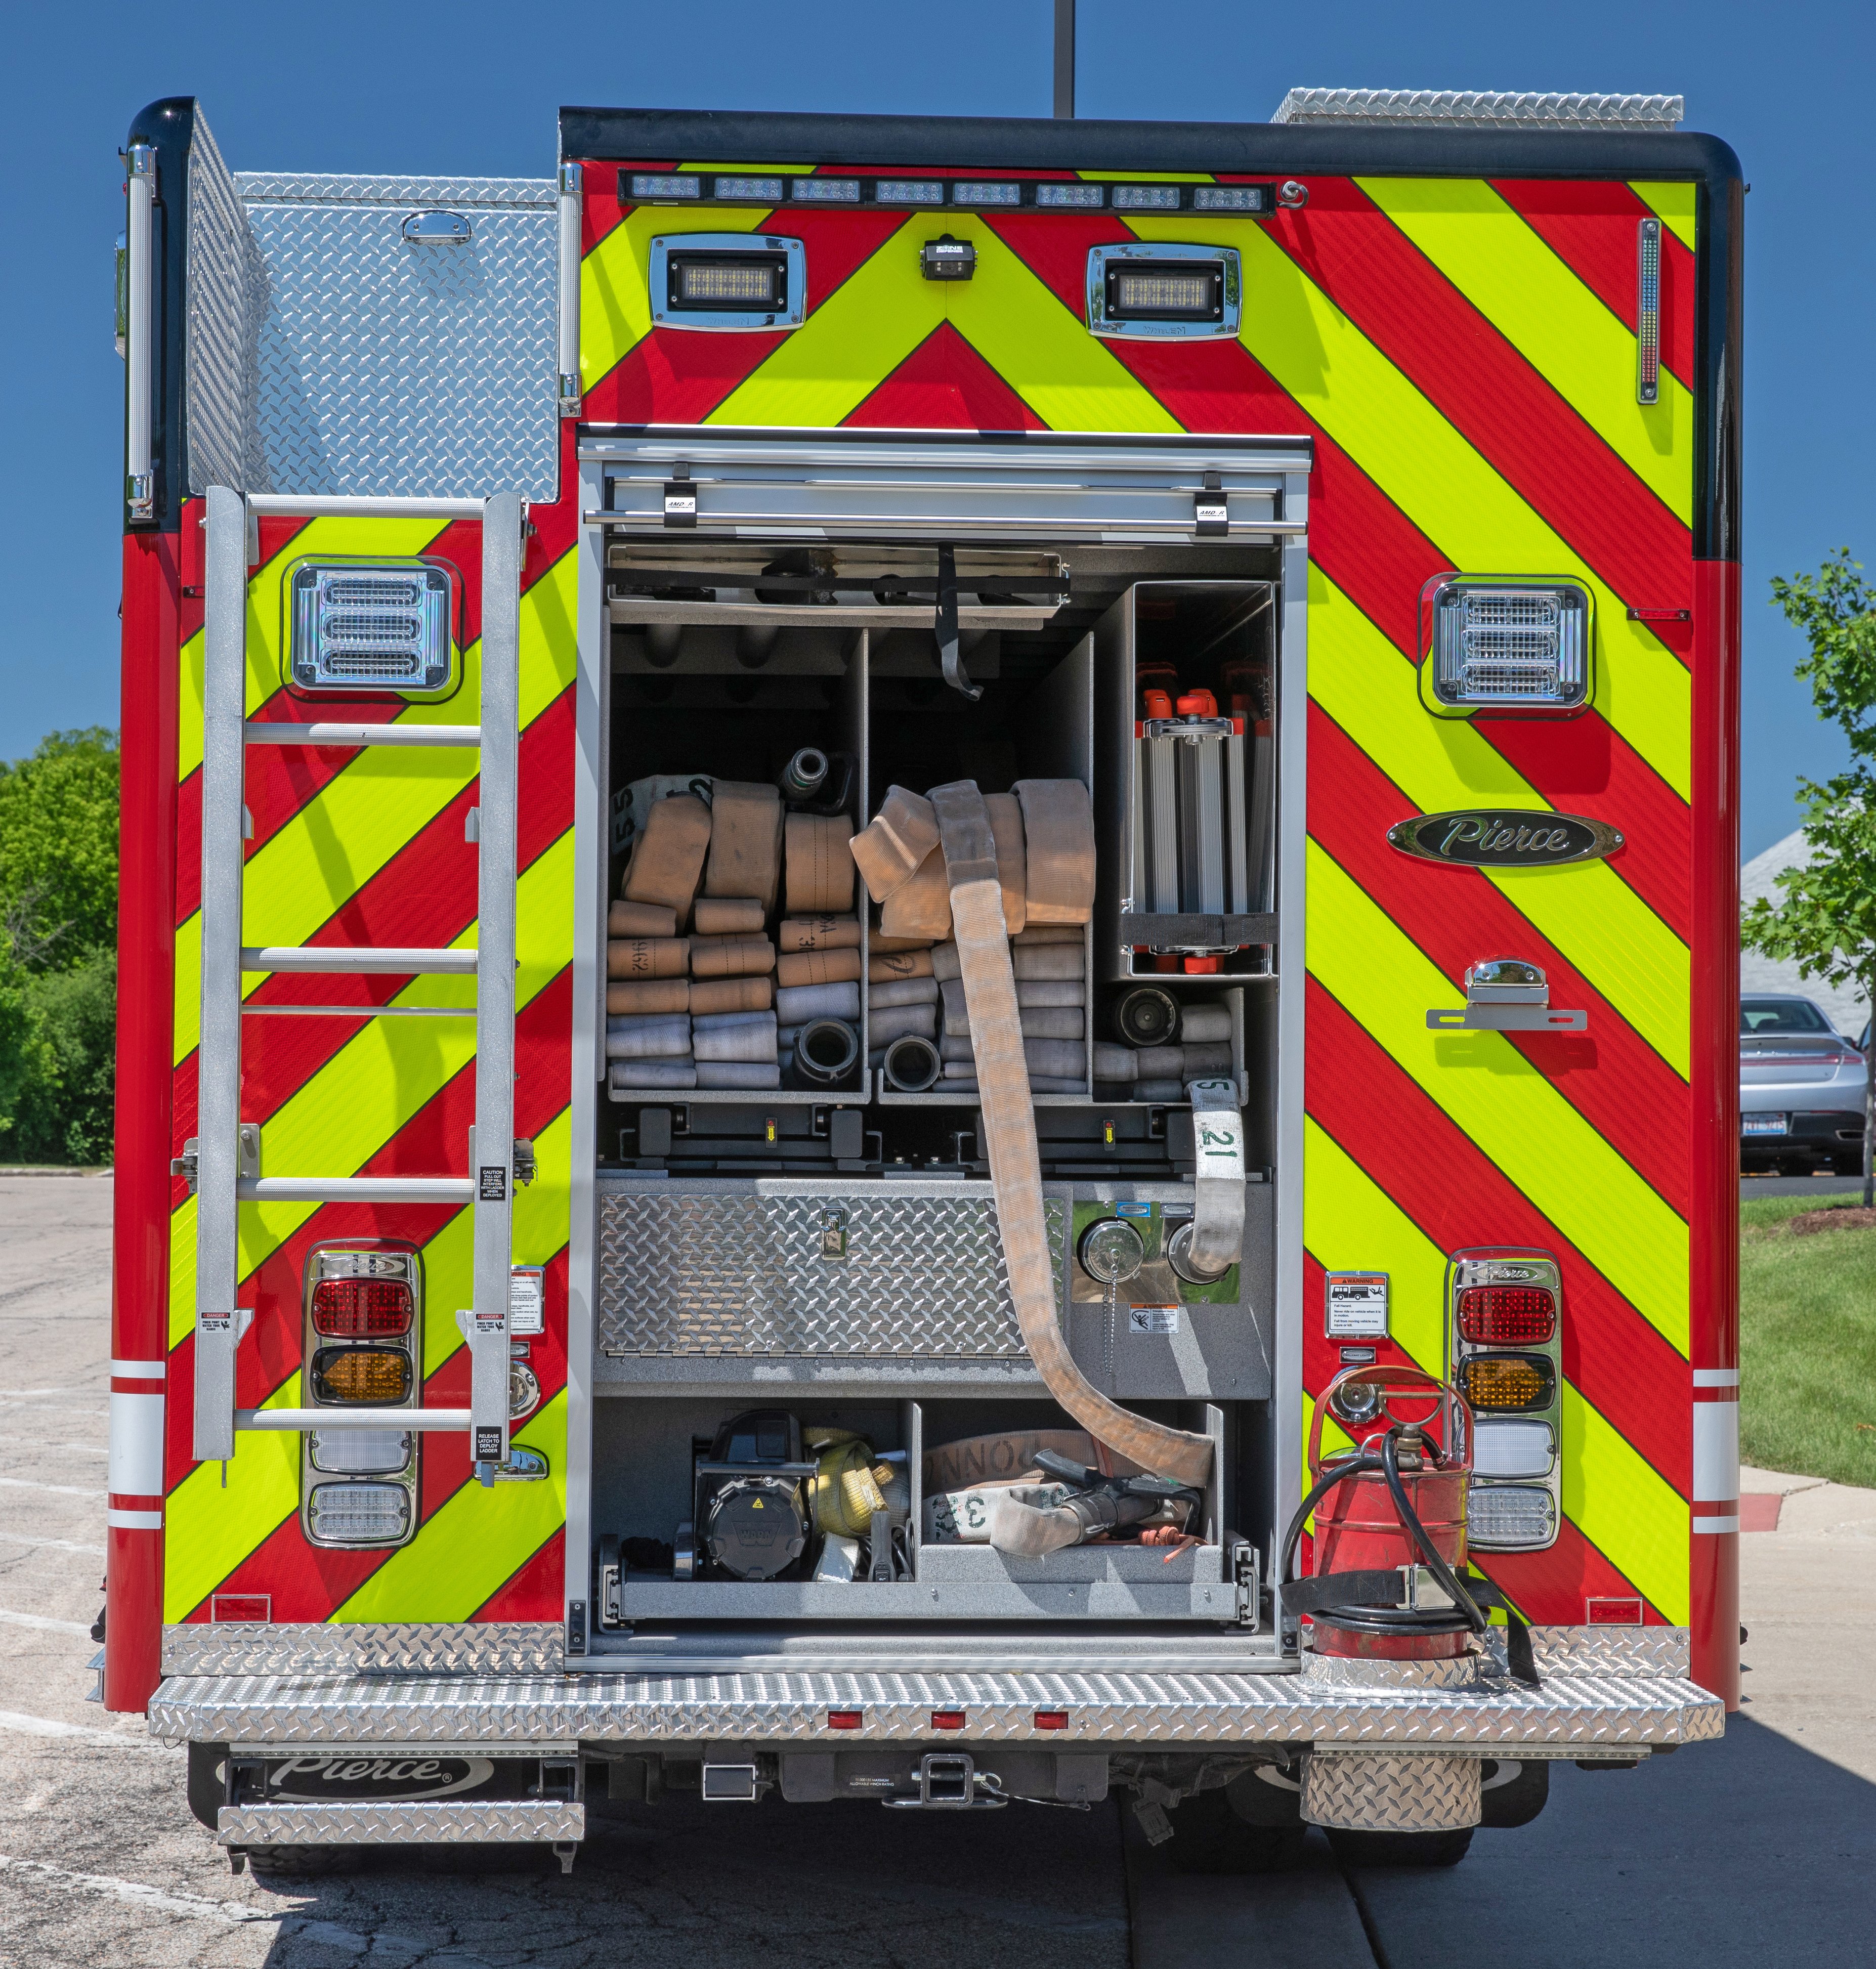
(1010, 1144)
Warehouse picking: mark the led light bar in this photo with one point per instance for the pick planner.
(986, 191)
(657, 187)
(1160, 291)
(728, 280)
(757, 281)
(1231, 198)
(1146, 197)
(358, 1513)
(360, 1452)
(1507, 1517)
(750, 191)
(1648, 311)
(368, 626)
(1071, 197)
(909, 191)
(1522, 646)
(826, 191)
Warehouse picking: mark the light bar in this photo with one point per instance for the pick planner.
(1231, 198)
(656, 187)
(826, 191)
(756, 281)
(364, 1452)
(750, 191)
(986, 191)
(1506, 1517)
(1648, 311)
(1522, 646)
(909, 191)
(1147, 198)
(358, 1513)
(1171, 293)
(1071, 197)
(1160, 291)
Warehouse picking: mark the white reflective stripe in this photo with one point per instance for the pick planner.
(135, 1468)
(134, 1521)
(1716, 1377)
(1716, 1452)
(139, 1371)
(1711, 1525)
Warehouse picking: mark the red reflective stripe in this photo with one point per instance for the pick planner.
(1551, 1588)
(1457, 1196)
(1591, 226)
(1610, 1075)
(536, 1591)
(944, 384)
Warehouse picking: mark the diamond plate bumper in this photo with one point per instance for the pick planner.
(1570, 1714)
(501, 1822)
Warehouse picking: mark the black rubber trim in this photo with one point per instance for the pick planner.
(168, 126)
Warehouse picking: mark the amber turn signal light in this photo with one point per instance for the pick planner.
(1501, 1382)
(379, 1374)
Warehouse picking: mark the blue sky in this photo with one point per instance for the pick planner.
(472, 88)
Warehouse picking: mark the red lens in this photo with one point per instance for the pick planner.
(1507, 1315)
(361, 1309)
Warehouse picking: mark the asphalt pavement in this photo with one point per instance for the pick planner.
(1758, 1850)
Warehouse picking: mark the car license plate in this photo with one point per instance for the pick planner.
(1763, 1124)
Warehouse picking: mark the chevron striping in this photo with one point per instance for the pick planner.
(1531, 297)
(1553, 1587)
(1676, 203)
(944, 384)
(1626, 951)
(533, 1592)
(1438, 1176)
(1612, 1495)
(1508, 1109)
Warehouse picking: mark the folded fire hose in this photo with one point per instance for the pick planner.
(983, 946)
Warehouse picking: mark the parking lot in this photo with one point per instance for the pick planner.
(1760, 1851)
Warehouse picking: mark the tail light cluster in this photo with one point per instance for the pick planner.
(363, 1350)
(1504, 1319)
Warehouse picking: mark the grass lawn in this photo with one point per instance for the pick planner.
(1807, 1319)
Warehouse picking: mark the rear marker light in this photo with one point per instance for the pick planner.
(1506, 1383)
(360, 1374)
(843, 1719)
(1648, 311)
(360, 1452)
(1051, 1719)
(1519, 646)
(1071, 197)
(909, 191)
(1507, 1315)
(659, 186)
(827, 191)
(359, 1513)
(947, 1719)
(1147, 198)
(751, 191)
(1612, 1613)
(1502, 1515)
(361, 1309)
(247, 1606)
(978, 191)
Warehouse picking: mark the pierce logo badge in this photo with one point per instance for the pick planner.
(1484, 837)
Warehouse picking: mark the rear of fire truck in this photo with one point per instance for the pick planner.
(927, 972)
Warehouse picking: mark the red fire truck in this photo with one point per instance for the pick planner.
(927, 971)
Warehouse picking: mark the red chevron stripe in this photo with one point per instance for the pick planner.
(1549, 1587)
(424, 895)
(679, 376)
(1500, 403)
(1590, 226)
(1610, 1075)
(537, 1589)
(944, 384)
(1380, 560)
(1457, 1196)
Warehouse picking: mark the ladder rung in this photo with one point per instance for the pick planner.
(314, 957)
(355, 1189)
(293, 1419)
(262, 733)
(358, 1011)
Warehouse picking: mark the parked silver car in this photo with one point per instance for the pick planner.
(1801, 1089)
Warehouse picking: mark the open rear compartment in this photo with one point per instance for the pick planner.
(809, 1383)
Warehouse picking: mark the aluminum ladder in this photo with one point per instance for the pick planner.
(221, 1188)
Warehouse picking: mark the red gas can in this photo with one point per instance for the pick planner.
(1359, 1528)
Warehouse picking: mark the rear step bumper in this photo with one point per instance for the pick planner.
(395, 1822)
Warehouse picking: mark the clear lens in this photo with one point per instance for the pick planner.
(909, 191)
(980, 191)
(1073, 197)
(1513, 1449)
(752, 191)
(358, 1513)
(827, 191)
(1505, 1514)
(750, 283)
(1146, 198)
(1511, 646)
(1228, 198)
(360, 1452)
(646, 184)
(1182, 293)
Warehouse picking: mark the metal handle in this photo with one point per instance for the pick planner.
(1393, 1379)
(570, 203)
(139, 422)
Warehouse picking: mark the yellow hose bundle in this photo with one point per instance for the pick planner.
(845, 1490)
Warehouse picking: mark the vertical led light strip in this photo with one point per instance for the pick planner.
(1648, 312)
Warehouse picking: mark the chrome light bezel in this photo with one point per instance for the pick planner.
(792, 254)
(1107, 261)
(1447, 657)
(328, 636)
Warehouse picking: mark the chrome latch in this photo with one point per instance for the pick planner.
(1507, 994)
(247, 1157)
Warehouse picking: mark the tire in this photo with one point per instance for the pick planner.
(1401, 1849)
(303, 1862)
(1517, 1799)
(1210, 1838)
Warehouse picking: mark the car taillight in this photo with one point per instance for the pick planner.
(362, 1309)
(1507, 1315)
(375, 1374)
(1504, 1383)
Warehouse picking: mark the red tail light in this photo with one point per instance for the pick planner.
(361, 1309)
(1507, 1315)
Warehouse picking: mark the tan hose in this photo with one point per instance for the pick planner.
(970, 855)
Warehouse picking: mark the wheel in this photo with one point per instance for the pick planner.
(303, 1862)
(1401, 1849)
(1209, 1837)
(1514, 1792)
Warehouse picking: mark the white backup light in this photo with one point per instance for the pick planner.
(1518, 646)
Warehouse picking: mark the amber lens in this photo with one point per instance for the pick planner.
(360, 1374)
(1507, 1315)
(1501, 1381)
(361, 1309)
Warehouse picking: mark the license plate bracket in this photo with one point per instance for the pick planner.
(1764, 1124)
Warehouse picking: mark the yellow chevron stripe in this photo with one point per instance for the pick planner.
(1508, 1109)
(355, 1103)
(615, 300)
(1586, 909)
(478, 1540)
(1609, 1492)
(362, 819)
(1506, 270)
(1676, 206)
(859, 335)
(209, 1530)
(1421, 462)
(1069, 378)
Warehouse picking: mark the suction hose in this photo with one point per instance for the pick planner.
(970, 853)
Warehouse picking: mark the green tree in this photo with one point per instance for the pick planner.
(1825, 918)
(58, 933)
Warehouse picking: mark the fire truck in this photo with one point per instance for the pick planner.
(928, 986)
